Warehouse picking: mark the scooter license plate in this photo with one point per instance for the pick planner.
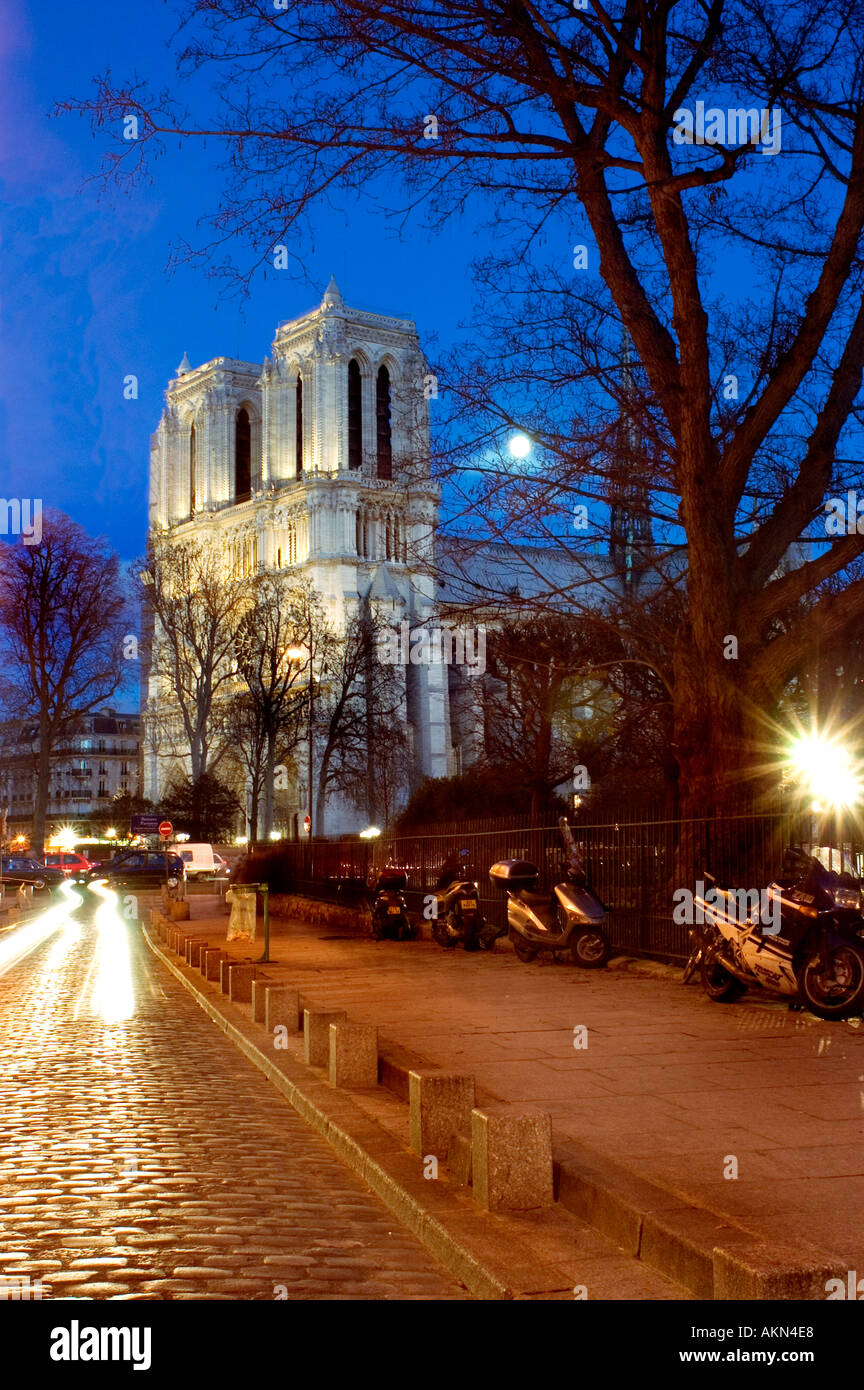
(394, 911)
(469, 904)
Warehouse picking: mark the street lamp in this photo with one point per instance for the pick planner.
(826, 769)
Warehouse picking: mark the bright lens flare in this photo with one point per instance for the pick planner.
(22, 940)
(826, 769)
(113, 996)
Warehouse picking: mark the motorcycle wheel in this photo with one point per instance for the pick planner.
(590, 949)
(486, 938)
(693, 962)
(842, 992)
(718, 984)
(523, 950)
(406, 931)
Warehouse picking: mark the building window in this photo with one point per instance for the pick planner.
(298, 446)
(242, 457)
(355, 415)
(382, 417)
(192, 470)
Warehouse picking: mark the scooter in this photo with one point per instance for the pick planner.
(570, 918)
(457, 908)
(810, 949)
(389, 907)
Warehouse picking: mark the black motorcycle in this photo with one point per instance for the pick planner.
(457, 908)
(389, 907)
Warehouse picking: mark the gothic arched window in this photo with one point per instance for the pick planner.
(355, 415)
(382, 421)
(192, 469)
(242, 456)
(298, 445)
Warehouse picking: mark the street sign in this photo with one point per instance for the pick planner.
(146, 823)
(166, 829)
(307, 824)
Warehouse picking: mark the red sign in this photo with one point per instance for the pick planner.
(307, 824)
(166, 829)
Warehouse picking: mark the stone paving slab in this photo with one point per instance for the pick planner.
(670, 1085)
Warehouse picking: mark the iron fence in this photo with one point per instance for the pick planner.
(636, 868)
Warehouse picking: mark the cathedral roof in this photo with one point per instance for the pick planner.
(383, 586)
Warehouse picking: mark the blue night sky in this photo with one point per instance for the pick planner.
(87, 299)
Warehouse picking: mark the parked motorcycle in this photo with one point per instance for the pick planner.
(811, 950)
(457, 908)
(389, 907)
(570, 918)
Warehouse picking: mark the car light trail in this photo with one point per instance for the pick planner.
(113, 996)
(25, 939)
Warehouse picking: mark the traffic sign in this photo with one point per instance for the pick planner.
(166, 829)
(146, 823)
(307, 824)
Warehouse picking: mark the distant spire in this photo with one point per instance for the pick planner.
(185, 365)
(332, 296)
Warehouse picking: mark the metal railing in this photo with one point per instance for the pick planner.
(635, 867)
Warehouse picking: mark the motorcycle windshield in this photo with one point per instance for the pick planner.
(579, 902)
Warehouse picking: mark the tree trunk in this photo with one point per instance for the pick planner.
(269, 777)
(43, 787)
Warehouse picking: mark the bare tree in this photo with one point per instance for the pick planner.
(266, 645)
(365, 753)
(197, 610)
(62, 620)
(595, 119)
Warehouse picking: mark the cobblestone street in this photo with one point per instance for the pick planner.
(141, 1156)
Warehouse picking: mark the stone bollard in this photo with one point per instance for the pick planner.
(281, 1008)
(213, 963)
(240, 976)
(259, 998)
(353, 1055)
(316, 1034)
(512, 1157)
(178, 912)
(440, 1104)
(225, 972)
(195, 950)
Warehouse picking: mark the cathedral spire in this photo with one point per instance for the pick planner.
(332, 297)
(185, 365)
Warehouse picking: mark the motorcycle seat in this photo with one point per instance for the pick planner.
(535, 900)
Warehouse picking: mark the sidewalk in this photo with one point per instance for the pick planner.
(670, 1090)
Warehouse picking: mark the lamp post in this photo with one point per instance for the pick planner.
(300, 654)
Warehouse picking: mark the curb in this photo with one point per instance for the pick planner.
(710, 1256)
(476, 1249)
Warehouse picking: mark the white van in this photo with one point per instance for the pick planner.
(200, 860)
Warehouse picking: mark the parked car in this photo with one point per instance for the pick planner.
(15, 869)
(70, 863)
(141, 868)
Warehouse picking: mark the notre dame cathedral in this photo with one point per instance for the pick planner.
(317, 462)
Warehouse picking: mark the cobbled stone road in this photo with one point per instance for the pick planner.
(141, 1156)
